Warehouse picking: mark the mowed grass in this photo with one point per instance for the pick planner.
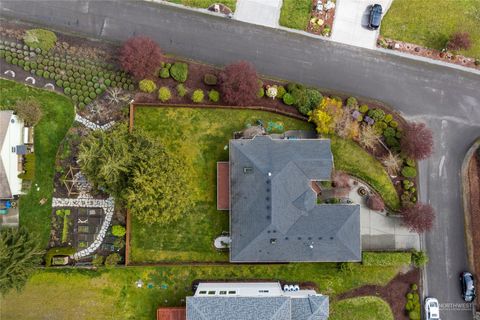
(49, 132)
(431, 23)
(295, 14)
(112, 294)
(201, 136)
(351, 158)
(361, 308)
(205, 3)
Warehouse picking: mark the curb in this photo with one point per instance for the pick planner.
(307, 34)
(466, 204)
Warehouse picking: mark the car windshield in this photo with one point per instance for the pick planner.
(433, 304)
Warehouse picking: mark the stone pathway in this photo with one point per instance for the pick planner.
(91, 125)
(107, 205)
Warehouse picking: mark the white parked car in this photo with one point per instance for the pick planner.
(432, 309)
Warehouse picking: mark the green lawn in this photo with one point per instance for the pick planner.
(111, 294)
(295, 14)
(201, 137)
(361, 308)
(57, 119)
(351, 158)
(205, 3)
(431, 22)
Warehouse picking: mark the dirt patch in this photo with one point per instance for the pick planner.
(427, 52)
(474, 204)
(394, 292)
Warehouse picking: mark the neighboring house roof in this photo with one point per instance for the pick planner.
(311, 308)
(176, 313)
(274, 216)
(238, 308)
(5, 117)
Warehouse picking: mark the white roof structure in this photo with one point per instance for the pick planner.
(11, 132)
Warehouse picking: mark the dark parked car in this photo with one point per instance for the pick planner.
(375, 17)
(468, 286)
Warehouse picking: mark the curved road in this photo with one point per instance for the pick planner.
(446, 98)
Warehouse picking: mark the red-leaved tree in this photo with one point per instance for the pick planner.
(374, 202)
(419, 217)
(459, 41)
(140, 56)
(239, 84)
(417, 141)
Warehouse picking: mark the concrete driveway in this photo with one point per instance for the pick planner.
(351, 20)
(262, 12)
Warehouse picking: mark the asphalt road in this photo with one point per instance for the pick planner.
(446, 98)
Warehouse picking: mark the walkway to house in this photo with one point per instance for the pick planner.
(262, 12)
(381, 232)
(351, 20)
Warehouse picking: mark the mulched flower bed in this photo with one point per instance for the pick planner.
(474, 196)
(325, 16)
(394, 292)
(427, 53)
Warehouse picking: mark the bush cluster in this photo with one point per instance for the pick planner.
(164, 94)
(210, 79)
(198, 96)
(305, 99)
(147, 86)
(81, 79)
(413, 303)
(214, 95)
(409, 172)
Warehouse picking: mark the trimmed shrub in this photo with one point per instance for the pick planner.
(409, 172)
(147, 85)
(164, 94)
(260, 92)
(197, 96)
(210, 79)
(419, 259)
(40, 38)
(388, 118)
(214, 95)
(374, 202)
(97, 262)
(281, 92)
(376, 114)
(389, 132)
(112, 260)
(288, 99)
(179, 71)
(363, 108)
(140, 56)
(181, 90)
(118, 230)
(352, 102)
(393, 124)
(164, 73)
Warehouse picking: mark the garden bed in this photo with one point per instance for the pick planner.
(303, 15)
(394, 292)
(473, 181)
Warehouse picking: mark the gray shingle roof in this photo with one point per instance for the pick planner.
(311, 308)
(5, 191)
(273, 210)
(238, 308)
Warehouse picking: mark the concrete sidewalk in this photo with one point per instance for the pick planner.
(261, 12)
(351, 20)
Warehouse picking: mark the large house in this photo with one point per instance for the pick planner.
(12, 149)
(249, 300)
(272, 198)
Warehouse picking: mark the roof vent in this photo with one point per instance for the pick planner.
(269, 174)
(247, 170)
(273, 241)
(331, 238)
